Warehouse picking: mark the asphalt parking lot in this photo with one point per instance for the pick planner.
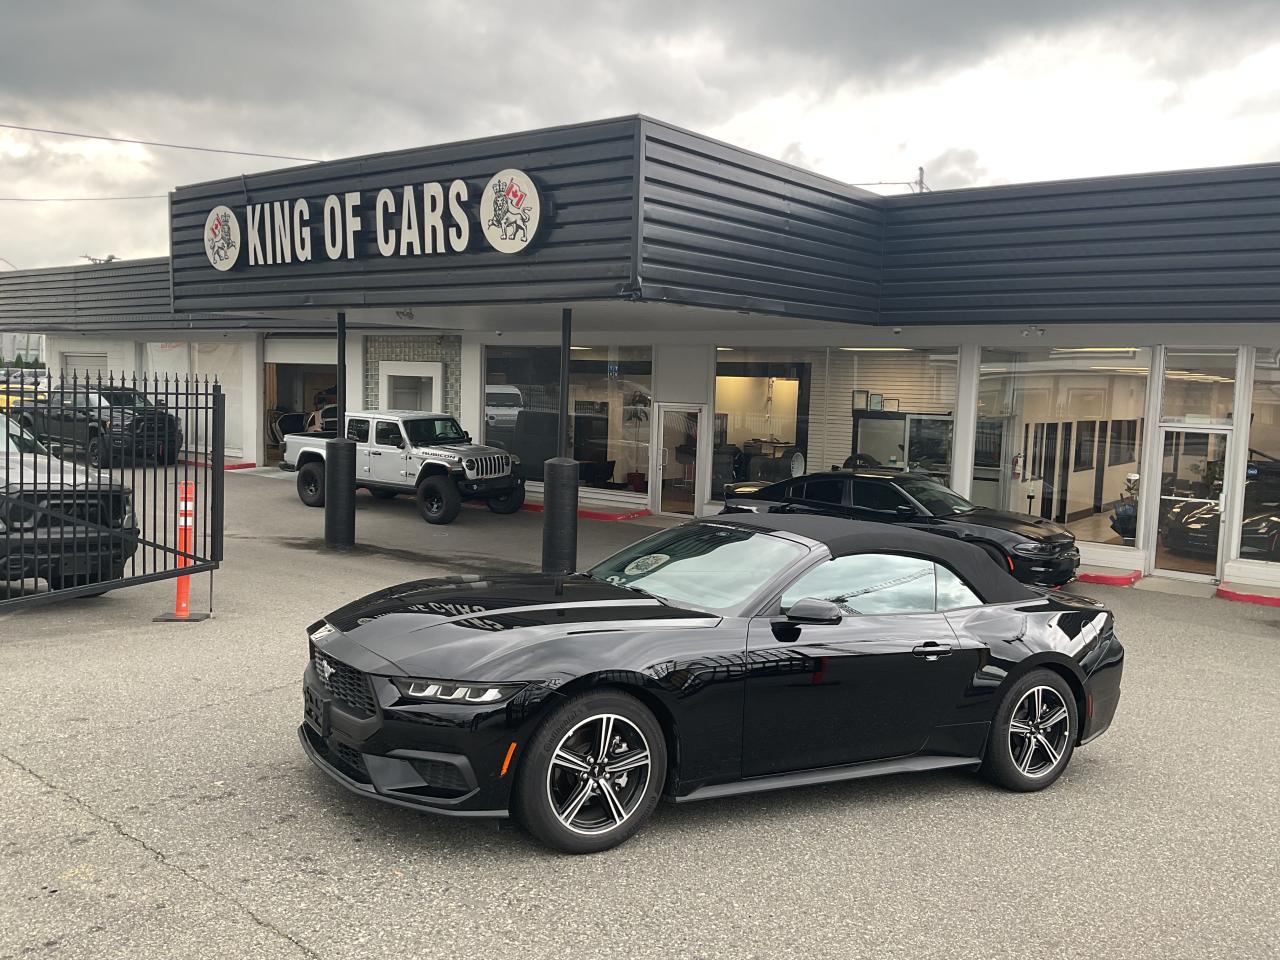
(154, 801)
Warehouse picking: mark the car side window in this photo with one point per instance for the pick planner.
(953, 593)
(868, 583)
(869, 495)
(823, 490)
(358, 430)
(387, 434)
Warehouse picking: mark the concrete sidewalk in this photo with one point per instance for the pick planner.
(154, 801)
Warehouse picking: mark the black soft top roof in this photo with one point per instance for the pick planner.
(993, 583)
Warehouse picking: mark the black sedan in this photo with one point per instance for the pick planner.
(1034, 550)
(719, 657)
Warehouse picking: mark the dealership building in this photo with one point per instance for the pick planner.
(1104, 353)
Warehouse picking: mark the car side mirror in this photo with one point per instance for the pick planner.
(905, 510)
(400, 444)
(813, 610)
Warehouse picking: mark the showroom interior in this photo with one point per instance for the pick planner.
(1099, 353)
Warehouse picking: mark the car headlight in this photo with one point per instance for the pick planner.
(448, 691)
(1036, 549)
(470, 464)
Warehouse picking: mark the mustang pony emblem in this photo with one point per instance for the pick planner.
(325, 669)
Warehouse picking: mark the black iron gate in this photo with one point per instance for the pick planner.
(106, 481)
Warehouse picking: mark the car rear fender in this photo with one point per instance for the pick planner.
(1060, 664)
(309, 456)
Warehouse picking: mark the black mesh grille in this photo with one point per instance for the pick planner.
(441, 777)
(348, 761)
(344, 683)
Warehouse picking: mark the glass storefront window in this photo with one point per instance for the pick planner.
(610, 397)
(1060, 434)
(1199, 385)
(783, 412)
(1260, 524)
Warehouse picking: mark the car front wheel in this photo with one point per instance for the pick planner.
(438, 499)
(311, 484)
(1034, 733)
(592, 774)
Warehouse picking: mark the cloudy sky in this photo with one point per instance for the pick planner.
(985, 91)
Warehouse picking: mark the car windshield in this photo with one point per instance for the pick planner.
(703, 566)
(124, 398)
(14, 439)
(502, 399)
(938, 500)
(433, 430)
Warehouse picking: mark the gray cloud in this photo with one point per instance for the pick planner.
(335, 79)
(954, 168)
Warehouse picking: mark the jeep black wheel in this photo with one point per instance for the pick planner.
(438, 499)
(311, 484)
(509, 502)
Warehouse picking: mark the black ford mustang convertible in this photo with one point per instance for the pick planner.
(728, 655)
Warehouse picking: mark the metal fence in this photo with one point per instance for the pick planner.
(91, 474)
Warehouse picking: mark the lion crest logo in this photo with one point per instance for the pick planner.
(510, 211)
(222, 238)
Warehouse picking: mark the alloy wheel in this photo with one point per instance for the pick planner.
(598, 774)
(1039, 730)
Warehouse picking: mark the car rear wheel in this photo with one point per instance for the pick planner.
(508, 502)
(438, 499)
(98, 452)
(311, 484)
(1034, 733)
(592, 774)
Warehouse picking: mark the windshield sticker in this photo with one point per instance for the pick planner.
(645, 564)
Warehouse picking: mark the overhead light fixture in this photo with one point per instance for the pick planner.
(876, 349)
(579, 348)
(725, 349)
(1129, 350)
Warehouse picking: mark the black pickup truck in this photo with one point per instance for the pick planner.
(109, 424)
(59, 522)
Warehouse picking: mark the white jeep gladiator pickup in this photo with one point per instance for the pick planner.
(412, 452)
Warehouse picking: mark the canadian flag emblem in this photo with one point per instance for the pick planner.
(515, 195)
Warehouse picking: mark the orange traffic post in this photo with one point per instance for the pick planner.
(186, 544)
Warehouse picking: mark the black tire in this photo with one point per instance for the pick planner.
(98, 452)
(380, 494)
(508, 502)
(438, 499)
(573, 727)
(311, 484)
(169, 452)
(1050, 743)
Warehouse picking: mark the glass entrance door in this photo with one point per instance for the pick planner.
(1189, 519)
(676, 452)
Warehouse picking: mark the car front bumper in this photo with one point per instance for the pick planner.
(1047, 571)
(450, 759)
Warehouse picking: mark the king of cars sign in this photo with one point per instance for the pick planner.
(407, 221)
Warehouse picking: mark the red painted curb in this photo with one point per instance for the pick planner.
(1111, 579)
(1238, 596)
(238, 465)
(596, 514)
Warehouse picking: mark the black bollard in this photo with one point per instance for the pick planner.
(560, 515)
(339, 493)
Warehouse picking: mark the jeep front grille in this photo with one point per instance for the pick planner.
(498, 465)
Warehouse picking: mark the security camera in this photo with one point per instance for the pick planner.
(896, 331)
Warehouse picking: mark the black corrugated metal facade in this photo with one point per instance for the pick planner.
(585, 251)
(722, 227)
(641, 210)
(1195, 246)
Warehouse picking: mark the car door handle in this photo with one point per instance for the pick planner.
(932, 650)
(375, 453)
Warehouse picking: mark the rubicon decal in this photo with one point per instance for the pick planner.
(411, 220)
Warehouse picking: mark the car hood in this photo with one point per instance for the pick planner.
(1026, 525)
(475, 628)
(36, 472)
(460, 449)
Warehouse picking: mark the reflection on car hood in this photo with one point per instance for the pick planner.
(1027, 525)
(469, 628)
(38, 472)
(459, 448)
